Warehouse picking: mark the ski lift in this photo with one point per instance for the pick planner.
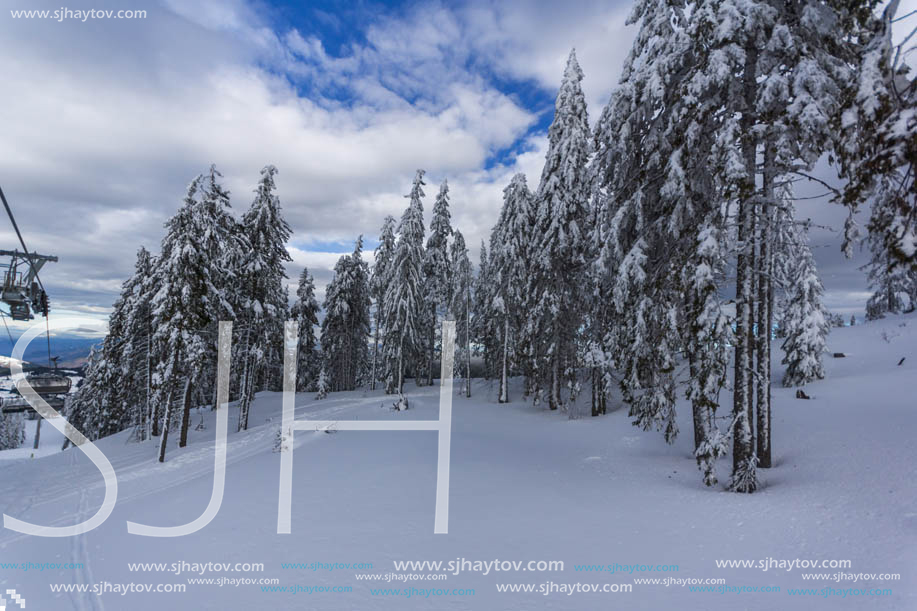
(13, 405)
(24, 293)
(46, 384)
(21, 290)
(49, 386)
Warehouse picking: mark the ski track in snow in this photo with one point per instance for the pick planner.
(840, 488)
(184, 465)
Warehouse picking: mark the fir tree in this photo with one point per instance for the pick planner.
(12, 431)
(305, 313)
(404, 301)
(806, 326)
(510, 261)
(137, 356)
(462, 277)
(378, 284)
(894, 284)
(345, 328)
(562, 213)
(322, 386)
(437, 268)
(265, 306)
(879, 152)
(484, 319)
(189, 300)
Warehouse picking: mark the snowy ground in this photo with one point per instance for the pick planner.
(526, 485)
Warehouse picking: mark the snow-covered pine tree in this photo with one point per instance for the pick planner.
(894, 285)
(12, 431)
(404, 303)
(112, 414)
(462, 277)
(265, 306)
(227, 242)
(305, 313)
(183, 284)
(120, 376)
(84, 407)
(879, 152)
(191, 276)
(345, 328)
(136, 359)
(484, 320)
(720, 101)
(562, 213)
(650, 212)
(322, 386)
(806, 324)
(437, 268)
(378, 284)
(510, 265)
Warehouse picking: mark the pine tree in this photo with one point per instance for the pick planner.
(894, 284)
(178, 309)
(322, 386)
(345, 328)
(378, 284)
(12, 431)
(879, 152)
(437, 268)
(136, 360)
(720, 102)
(86, 404)
(265, 306)
(484, 320)
(510, 261)
(462, 277)
(646, 222)
(226, 242)
(404, 303)
(562, 213)
(305, 313)
(806, 324)
(188, 301)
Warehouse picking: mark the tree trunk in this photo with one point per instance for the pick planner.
(432, 342)
(743, 450)
(151, 414)
(766, 258)
(468, 343)
(699, 411)
(554, 397)
(401, 370)
(754, 270)
(167, 418)
(375, 350)
(185, 413)
(246, 374)
(504, 391)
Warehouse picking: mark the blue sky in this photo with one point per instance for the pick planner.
(113, 118)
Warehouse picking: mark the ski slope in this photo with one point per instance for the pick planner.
(526, 484)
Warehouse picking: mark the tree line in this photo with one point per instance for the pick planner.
(657, 257)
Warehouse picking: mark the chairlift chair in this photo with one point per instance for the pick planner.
(21, 290)
(46, 384)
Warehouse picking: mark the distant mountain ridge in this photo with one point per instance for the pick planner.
(73, 352)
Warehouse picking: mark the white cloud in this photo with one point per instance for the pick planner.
(111, 120)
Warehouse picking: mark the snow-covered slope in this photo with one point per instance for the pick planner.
(526, 485)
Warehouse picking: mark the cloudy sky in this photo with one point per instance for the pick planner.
(104, 122)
